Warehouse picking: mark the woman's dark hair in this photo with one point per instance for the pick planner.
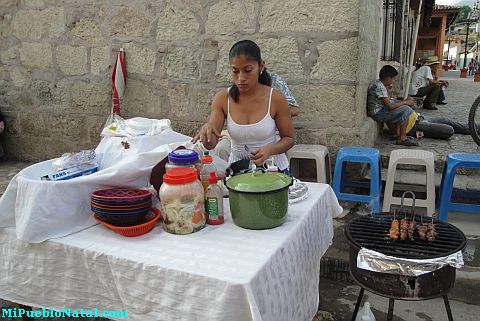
(250, 50)
(387, 71)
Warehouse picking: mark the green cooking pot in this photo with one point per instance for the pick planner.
(259, 200)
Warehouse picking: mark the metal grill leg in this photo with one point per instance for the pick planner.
(447, 306)
(357, 306)
(391, 303)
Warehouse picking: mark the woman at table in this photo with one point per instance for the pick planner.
(252, 110)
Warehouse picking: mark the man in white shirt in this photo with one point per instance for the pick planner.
(424, 84)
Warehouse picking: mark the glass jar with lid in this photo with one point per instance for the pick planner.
(183, 158)
(182, 201)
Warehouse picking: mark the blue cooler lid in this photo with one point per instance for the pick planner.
(183, 156)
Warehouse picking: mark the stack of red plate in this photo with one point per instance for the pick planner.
(121, 206)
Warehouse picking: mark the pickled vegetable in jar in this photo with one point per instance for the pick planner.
(182, 201)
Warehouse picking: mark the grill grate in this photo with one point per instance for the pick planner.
(372, 231)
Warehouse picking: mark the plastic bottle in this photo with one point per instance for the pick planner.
(365, 313)
(214, 201)
(207, 168)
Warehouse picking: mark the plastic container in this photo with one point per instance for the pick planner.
(365, 313)
(182, 201)
(183, 158)
(206, 169)
(214, 201)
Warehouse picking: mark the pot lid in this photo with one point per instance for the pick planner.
(258, 182)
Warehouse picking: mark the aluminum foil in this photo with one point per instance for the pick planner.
(297, 192)
(378, 262)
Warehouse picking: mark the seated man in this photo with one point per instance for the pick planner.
(424, 85)
(392, 112)
(439, 127)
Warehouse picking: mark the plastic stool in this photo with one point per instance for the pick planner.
(454, 161)
(359, 155)
(319, 153)
(413, 157)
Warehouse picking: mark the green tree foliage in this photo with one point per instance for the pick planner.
(463, 14)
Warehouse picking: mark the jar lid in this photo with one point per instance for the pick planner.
(206, 159)
(177, 176)
(259, 182)
(183, 156)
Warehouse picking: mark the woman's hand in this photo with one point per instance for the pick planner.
(208, 135)
(261, 155)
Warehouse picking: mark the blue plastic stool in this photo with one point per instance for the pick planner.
(445, 204)
(359, 155)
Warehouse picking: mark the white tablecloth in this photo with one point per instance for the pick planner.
(219, 273)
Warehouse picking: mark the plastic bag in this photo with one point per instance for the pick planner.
(69, 160)
(365, 313)
(115, 126)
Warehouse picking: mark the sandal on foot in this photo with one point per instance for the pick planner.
(407, 142)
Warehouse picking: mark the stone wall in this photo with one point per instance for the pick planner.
(56, 59)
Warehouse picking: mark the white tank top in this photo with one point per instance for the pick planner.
(248, 138)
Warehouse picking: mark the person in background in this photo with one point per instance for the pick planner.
(252, 111)
(394, 113)
(424, 85)
(471, 66)
(438, 127)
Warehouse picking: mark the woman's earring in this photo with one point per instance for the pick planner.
(261, 72)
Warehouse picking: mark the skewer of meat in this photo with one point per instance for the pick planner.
(431, 231)
(422, 231)
(404, 229)
(411, 229)
(394, 233)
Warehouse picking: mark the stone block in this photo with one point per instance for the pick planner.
(100, 60)
(5, 24)
(39, 24)
(8, 56)
(19, 76)
(36, 55)
(281, 56)
(188, 128)
(225, 17)
(12, 119)
(177, 22)
(37, 4)
(129, 22)
(178, 96)
(52, 125)
(223, 72)
(47, 94)
(337, 60)
(182, 63)
(140, 60)
(308, 16)
(322, 104)
(87, 30)
(201, 102)
(72, 60)
(141, 100)
(91, 98)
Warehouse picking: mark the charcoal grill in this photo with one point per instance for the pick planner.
(372, 232)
